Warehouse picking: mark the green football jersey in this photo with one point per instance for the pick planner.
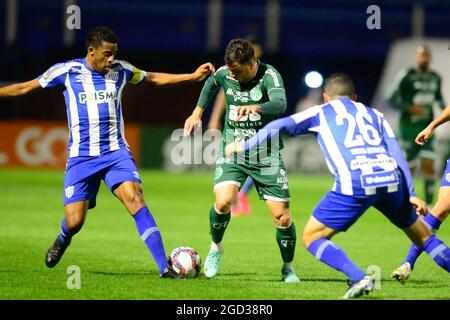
(413, 87)
(265, 89)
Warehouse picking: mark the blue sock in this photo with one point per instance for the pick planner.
(414, 251)
(150, 234)
(438, 251)
(248, 184)
(66, 235)
(432, 222)
(329, 253)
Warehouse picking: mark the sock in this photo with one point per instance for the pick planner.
(66, 235)
(150, 234)
(438, 251)
(248, 184)
(429, 190)
(330, 254)
(216, 246)
(432, 222)
(286, 238)
(218, 224)
(414, 251)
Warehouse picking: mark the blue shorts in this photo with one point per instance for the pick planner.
(84, 174)
(340, 211)
(445, 181)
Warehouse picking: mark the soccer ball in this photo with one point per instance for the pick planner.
(186, 262)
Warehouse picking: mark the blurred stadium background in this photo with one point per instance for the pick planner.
(175, 36)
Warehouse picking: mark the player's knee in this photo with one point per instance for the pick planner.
(223, 205)
(284, 220)
(74, 223)
(308, 237)
(134, 199)
(441, 209)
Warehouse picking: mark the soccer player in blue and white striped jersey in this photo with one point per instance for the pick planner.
(97, 147)
(363, 155)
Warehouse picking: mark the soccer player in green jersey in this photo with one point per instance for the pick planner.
(255, 95)
(242, 203)
(415, 92)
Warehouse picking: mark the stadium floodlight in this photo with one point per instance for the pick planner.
(313, 79)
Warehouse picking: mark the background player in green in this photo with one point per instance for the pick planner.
(255, 95)
(415, 92)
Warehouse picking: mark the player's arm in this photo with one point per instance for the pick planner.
(208, 91)
(160, 79)
(215, 121)
(277, 103)
(297, 124)
(396, 152)
(19, 89)
(426, 133)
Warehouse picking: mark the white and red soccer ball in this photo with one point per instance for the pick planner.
(186, 262)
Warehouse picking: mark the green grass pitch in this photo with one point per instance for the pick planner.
(115, 264)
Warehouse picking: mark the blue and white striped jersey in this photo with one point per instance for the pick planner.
(359, 145)
(93, 102)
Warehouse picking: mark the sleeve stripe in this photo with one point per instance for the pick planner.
(303, 115)
(51, 74)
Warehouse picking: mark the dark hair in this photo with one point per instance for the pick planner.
(339, 84)
(240, 51)
(99, 34)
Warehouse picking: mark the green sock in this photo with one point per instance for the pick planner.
(286, 239)
(218, 224)
(429, 190)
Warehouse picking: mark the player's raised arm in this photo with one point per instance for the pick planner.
(19, 89)
(208, 91)
(160, 79)
(426, 133)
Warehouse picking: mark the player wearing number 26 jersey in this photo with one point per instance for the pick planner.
(369, 169)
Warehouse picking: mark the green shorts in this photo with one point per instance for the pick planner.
(270, 178)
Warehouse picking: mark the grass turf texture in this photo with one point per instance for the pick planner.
(115, 264)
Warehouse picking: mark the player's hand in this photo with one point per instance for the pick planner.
(233, 147)
(193, 123)
(424, 135)
(203, 71)
(242, 111)
(419, 205)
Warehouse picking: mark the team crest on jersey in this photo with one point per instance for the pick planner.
(447, 177)
(256, 94)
